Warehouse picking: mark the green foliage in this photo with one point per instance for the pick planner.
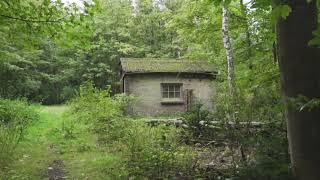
(83, 45)
(67, 129)
(155, 152)
(25, 21)
(315, 41)
(32, 59)
(15, 116)
(265, 146)
(48, 50)
(267, 169)
(145, 151)
(68, 93)
(90, 95)
(98, 108)
(271, 156)
(126, 102)
(198, 122)
(280, 11)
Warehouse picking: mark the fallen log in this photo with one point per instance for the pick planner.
(180, 122)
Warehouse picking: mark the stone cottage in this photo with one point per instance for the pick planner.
(167, 86)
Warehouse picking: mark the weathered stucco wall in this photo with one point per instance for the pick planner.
(147, 89)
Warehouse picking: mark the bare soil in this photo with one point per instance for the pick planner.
(56, 170)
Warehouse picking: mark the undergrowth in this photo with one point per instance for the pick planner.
(97, 140)
(15, 117)
(143, 151)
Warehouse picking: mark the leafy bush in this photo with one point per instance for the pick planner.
(271, 154)
(94, 102)
(264, 148)
(198, 121)
(99, 109)
(146, 151)
(68, 128)
(15, 116)
(126, 103)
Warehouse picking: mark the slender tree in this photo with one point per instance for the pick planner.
(300, 76)
(228, 48)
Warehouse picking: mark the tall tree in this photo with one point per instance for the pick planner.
(300, 75)
(228, 48)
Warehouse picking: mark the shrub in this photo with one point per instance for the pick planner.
(15, 116)
(99, 109)
(198, 122)
(154, 152)
(68, 129)
(264, 148)
(271, 154)
(146, 151)
(126, 102)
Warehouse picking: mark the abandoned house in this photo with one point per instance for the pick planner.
(167, 86)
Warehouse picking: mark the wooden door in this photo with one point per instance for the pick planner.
(189, 99)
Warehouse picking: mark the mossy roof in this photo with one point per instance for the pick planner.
(155, 65)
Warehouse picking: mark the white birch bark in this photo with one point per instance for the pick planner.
(228, 48)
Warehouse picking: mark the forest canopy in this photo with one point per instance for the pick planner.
(47, 53)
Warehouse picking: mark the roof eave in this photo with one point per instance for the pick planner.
(213, 74)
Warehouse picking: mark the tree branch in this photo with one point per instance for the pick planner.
(7, 2)
(31, 20)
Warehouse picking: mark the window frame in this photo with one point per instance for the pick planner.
(168, 88)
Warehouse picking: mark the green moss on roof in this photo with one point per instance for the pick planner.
(153, 65)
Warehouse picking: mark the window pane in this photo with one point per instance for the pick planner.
(165, 94)
(165, 87)
(171, 87)
(177, 88)
(171, 90)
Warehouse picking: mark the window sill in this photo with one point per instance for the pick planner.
(172, 101)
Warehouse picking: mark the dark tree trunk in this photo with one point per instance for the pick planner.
(300, 75)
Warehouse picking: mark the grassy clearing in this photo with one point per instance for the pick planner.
(57, 137)
(54, 137)
(33, 153)
(117, 147)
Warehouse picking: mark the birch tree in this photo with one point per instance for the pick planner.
(228, 48)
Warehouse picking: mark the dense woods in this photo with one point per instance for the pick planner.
(67, 55)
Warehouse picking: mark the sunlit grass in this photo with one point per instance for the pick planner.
(34, 151)
(58, 109)
(57, 137)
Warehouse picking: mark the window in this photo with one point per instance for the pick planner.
(171, 90)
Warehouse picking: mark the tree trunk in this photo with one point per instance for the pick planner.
(227, 45)
(300, 75)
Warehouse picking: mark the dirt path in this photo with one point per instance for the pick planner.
(55, 148)
(56, 170)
